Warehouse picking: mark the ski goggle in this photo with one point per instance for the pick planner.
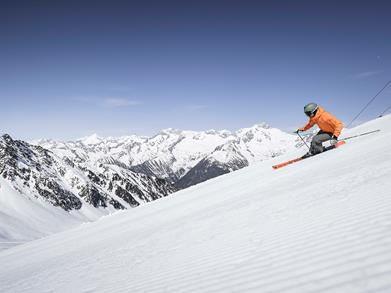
(310, 114)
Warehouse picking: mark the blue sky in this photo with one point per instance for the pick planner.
(72, 68)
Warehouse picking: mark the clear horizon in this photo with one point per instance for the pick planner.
(71, 69)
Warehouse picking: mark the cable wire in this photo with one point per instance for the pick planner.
(384, 112)
(370, 102)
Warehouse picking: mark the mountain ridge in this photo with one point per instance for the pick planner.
(171, 153)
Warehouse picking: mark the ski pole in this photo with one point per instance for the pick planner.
(365, 133)
(303, 140)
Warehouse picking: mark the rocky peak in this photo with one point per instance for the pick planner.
(68, 182)
(7, 138)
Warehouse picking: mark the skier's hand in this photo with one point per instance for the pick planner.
(298, 130)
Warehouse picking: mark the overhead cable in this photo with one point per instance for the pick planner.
(366, 106)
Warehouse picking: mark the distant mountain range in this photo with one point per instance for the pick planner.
(48, 185)
(183, 158)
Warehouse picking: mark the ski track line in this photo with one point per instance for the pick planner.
(375, 233)
(252, 279)
(256, 268)
(327, 270)
(254, 283)
(296, 249)
(251, 282)
(289, 248)
(354, 282)
(351, 252)
(277, 240)
(380, 289)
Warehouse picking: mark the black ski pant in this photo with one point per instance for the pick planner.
(317, 140)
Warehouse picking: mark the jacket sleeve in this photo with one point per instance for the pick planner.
(337, 127)
(310, 123)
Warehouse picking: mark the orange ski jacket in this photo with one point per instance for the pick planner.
(326, 122)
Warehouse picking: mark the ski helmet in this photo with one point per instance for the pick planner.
(310, 109)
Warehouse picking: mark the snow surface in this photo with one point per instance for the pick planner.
(320, 225)
(24, 218)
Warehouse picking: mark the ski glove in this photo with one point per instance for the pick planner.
(299, 130)
(333, 140)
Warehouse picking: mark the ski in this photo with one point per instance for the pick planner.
(338, 144)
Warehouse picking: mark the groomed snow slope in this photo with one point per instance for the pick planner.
(321, 225)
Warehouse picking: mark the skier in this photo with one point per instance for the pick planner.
(330, 127)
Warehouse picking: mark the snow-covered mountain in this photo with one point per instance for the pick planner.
(34, 176)
(94, 176)
(320, 225)
(183, 157)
